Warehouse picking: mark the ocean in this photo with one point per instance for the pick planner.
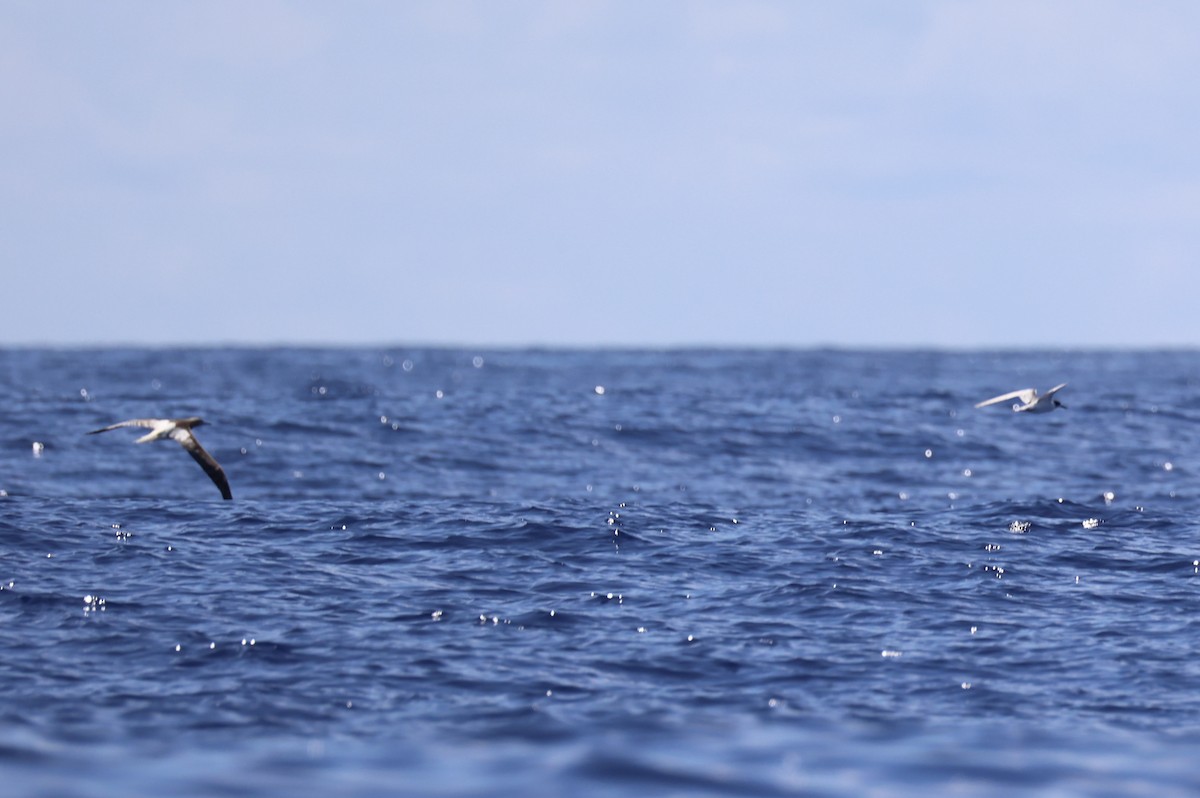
(683, 572)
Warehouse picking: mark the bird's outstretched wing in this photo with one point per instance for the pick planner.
(1026, 395)
(1056, 389)
(206, 460)
(148, 423)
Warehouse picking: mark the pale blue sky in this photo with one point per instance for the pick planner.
(601, 173)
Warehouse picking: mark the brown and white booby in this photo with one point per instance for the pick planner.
(179, 430)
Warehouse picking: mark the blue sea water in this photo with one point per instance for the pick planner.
(539, 573)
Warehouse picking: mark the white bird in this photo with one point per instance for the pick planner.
(180, 430)
(1029, 400)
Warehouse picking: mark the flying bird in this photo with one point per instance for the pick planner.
(179, 430)
(1029, 401)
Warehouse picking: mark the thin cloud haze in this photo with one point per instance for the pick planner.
(925, 174)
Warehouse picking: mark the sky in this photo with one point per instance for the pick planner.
(590, 173)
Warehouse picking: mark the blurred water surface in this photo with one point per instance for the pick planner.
(685, 572)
